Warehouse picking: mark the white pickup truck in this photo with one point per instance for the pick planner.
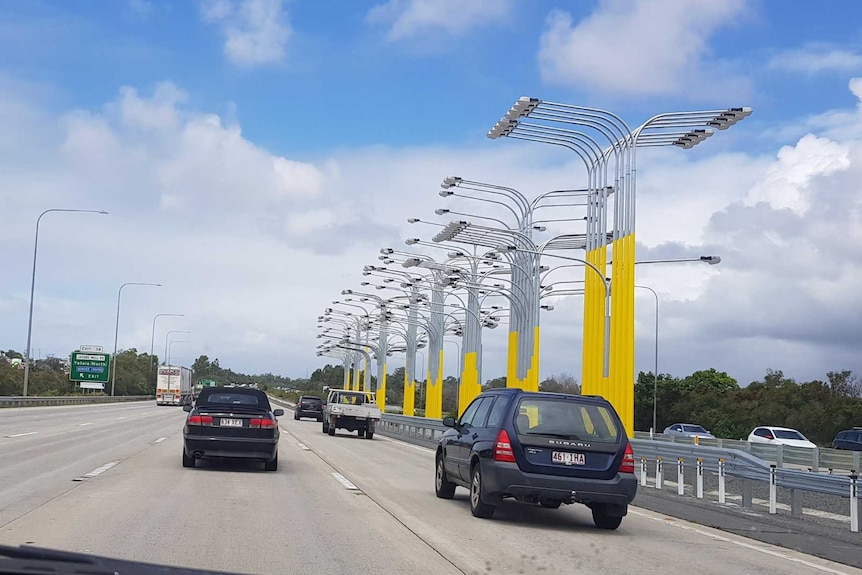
(351, 410)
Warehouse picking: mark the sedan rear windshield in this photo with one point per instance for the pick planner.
(788, 434)
(569, 419)
(238, 399)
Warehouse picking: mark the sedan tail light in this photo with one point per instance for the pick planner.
(200, 420)
(503, 448)
(628, 463)
(259, 423)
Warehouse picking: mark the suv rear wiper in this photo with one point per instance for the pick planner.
(560, 435)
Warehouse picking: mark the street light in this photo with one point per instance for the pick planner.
(117, 327)
(158, 315)
(168, 335)
(33, 288)
(655, 369)
(170, 345)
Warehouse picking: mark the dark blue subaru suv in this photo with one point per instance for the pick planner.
(544, 448)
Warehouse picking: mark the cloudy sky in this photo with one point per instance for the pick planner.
(255, 154)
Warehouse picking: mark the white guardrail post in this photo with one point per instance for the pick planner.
(643, 472)
(699, 489)
(773, 491)
(680, 476)
(659, 473)
(854, 503)
(722, 494)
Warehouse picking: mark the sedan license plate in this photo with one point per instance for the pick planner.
(567, 458)
(231, 423)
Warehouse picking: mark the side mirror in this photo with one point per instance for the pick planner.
(449, 421)
(187, 408)
(278, 412)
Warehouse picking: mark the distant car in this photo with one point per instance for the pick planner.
(850, 439)
(688, 430)
(536, 447)
(779, 436)
(231, 422)
(309, 406)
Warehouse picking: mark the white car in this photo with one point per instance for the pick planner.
(779, 436)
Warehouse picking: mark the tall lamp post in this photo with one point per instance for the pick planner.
(153, 337)
(171, 344)
(33, 288)
(117, 327)
(655, 369)
(167, 336)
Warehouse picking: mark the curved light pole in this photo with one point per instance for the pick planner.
(168, 335)
(158, 315)
(171, 344)
(117, 327)
(33, 288)
(655, 370)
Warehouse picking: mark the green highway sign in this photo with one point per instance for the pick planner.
(90, 367)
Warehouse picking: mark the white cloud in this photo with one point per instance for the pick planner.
(256, 31)
(640, 47)
(410, 18)
(251, 245)
(817, 57)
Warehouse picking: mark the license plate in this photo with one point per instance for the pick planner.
(567, 458)
(231, 423)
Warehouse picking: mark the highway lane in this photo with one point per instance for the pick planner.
(42, 449)
(526, 538)
(226, 516)
(303, 519)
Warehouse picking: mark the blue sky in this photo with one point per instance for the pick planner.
(228, 136)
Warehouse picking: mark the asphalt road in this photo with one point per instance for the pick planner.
(336, 505)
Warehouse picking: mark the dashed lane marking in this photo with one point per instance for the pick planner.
(345, 482)
(97, 471)
(21, 434)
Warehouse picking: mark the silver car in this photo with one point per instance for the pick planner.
(688, 430)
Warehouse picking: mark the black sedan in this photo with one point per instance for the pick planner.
(231, 422)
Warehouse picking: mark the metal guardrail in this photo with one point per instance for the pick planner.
(723, 461)
(31, 401)
(818, 460)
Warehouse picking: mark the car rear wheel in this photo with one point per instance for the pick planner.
(548, 504)
(330, 429)
(325, 427)
(477, 507)
(296, 415)
(360, 432)
(605, 521)
(188, 461)
(369, 434)
(271, 465)
(444, 488)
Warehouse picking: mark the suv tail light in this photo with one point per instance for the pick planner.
(628, 463)
(200, 420)
(503, 448)
(261, 423)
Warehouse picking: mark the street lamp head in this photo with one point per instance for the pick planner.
(548, 307)
(365, 283)
(506, 249)
(346, 292)
(446, 193)
(386, 251)
(411, 241)
(103, 212)
(413, 220)
(450, 181)
(540, 228)
(441, 211)
(411, 262)
(455, 254)
(711, 260)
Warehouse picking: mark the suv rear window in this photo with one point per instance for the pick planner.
(569, 419)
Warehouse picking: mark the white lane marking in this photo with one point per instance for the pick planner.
(744, 545)
(303, 447)
(159, 440)
(83, 424)
(22, 434)
(97, 471)
(345, 482)
(405, 444)
(124, 417)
